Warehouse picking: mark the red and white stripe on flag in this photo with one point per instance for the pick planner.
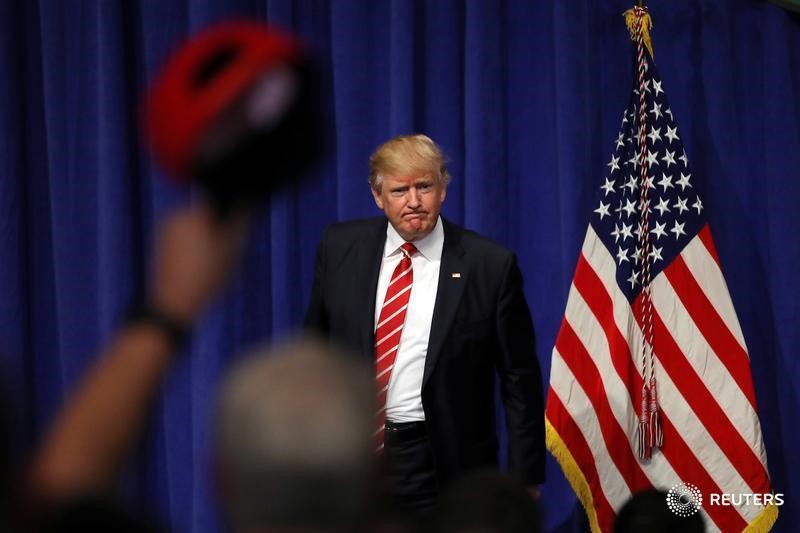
(712, 437)
(711, 432)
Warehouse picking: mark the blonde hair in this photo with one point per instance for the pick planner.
(407, 154)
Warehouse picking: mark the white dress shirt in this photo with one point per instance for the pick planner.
(404, 398)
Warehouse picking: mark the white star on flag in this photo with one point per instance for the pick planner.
(680, 205)
(669, 158)
(698, 205)
(603, 210)
(659, 230)
(666, 182)
(608, 187)
(677, 229)
(655, 135)
(662, 206)
(614, 163)
(672, 135)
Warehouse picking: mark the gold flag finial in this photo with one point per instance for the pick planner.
(647, 23)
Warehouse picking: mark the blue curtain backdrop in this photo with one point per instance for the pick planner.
(526, 98)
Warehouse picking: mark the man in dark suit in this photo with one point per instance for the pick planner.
(441, 311)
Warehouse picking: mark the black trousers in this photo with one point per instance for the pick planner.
(409, 466)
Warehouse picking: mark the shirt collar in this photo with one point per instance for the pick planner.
(429, 246)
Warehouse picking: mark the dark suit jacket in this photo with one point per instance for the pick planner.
(481, 327)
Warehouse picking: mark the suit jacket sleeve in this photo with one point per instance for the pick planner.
(520, 379)
(316, 316)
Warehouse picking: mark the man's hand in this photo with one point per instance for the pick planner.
(87, 446)
(533, 490)
(194, 256)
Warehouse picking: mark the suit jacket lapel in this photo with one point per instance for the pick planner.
(371, 256)
(448, 294)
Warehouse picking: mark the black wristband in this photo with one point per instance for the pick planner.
(176, 331)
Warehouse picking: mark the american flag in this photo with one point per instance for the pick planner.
(707, 406)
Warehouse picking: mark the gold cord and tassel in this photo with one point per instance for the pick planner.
(647, 23)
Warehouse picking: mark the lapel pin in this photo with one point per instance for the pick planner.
(456, 274)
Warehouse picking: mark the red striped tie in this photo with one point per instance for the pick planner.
(387, 333)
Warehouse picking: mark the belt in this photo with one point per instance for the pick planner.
(405, 430)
